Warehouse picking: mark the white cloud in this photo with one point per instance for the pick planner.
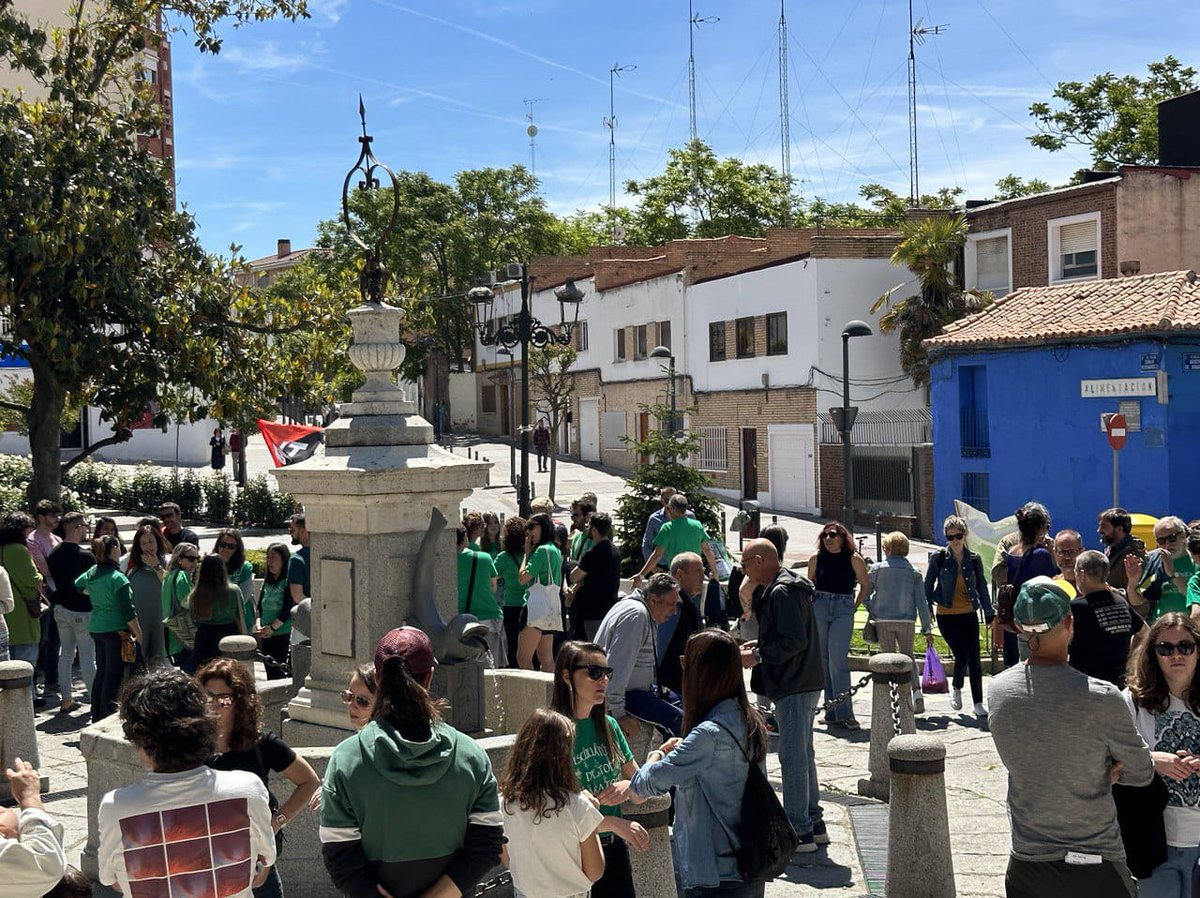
(328, 12)
(266, 57)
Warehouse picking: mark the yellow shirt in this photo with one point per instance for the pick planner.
(1067, 586)
(962, 599)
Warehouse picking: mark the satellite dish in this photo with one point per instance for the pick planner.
(619, 232)
(531, 130)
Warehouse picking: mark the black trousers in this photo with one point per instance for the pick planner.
(514, 622)
(617, 881)
(1058, 879)
(961, 632)
(279, 648)
(110, 674)
(208, 641)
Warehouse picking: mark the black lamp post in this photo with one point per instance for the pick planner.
(662, 352)
(847, 415)
(524, 330)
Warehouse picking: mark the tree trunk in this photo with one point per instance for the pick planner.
(553, 459)
(45, 436)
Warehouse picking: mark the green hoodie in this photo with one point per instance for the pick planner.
(401, 813)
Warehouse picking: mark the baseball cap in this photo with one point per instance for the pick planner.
(408, 644)
(1041, 606)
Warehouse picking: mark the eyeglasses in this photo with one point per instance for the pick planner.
(831, 534)
(189, 557)
(595, 671)
(954, 537)
(1169, 538)
(1167, 649)
(221, 700)
(363, 701)
(232, 547)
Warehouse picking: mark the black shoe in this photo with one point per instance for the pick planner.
(820, 834)
(39, 703)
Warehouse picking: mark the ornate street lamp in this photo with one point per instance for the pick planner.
(524, 330)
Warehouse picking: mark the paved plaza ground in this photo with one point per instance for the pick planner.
(853, 865)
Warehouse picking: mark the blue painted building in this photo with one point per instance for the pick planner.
(1020, 389)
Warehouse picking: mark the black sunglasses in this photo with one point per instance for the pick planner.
(1167, 649)
(232, 547)
(189, 557)
(954, 536)
(1169, 538)
(830, 534)
(595, 671)
(363, 701)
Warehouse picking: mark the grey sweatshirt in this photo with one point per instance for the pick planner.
(1059, 732)
(627, 636)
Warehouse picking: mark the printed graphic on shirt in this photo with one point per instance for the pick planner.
(1179, 731)
(201, 851)
(1113, 618)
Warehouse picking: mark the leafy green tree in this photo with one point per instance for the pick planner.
(551, 379)
(1010, 187)
(1115, 117)
(929, 249)
(110, 296)
(666, 463)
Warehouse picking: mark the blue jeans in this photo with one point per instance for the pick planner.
(272, 887)
(664, 713)
(73, 634)
(1172, 878)
(835, 624)
(25, 651)
(798, 761)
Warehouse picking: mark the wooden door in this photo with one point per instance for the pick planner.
(749, 463)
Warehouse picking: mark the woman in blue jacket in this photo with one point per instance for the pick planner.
(708, 767)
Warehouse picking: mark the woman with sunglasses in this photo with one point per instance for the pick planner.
(708, 767)
(359, 697)
(176, 587)
(243, 744)
(956, 589)
(232, 549)
(543, 565)
(1163, 694)
(146, 569)
(602, 758)
(275, 604)
(836, 571)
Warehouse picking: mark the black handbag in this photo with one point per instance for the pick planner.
(767, 839)
(1143, 830)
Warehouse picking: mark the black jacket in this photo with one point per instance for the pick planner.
(670, 671)
(788, 642)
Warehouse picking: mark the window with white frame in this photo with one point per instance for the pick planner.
(640, 337)
(1074, 244)
(620, 349)
(664, 334)
(581, 336)
(713, 454)
(991, 264)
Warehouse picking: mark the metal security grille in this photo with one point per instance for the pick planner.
(899, 427)
(883, 479)
(975, 490)
(714, 450)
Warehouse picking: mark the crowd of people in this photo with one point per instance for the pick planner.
(73, 590)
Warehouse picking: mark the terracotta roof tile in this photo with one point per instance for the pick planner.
(1113, 307)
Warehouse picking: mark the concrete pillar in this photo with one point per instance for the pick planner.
(653, 869)
(919, 861)
(242, 649)
(887, 669)
(18, 738)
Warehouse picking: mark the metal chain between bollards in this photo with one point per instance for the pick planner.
(895, 707)
(838, 699)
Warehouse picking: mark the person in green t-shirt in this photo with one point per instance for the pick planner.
(232, 549)
(176, 587)
(515, 594)
(113, 616)
(680, 533)
(602, 757)
(275, 605)
(217, 608)
(477, 594)
(491, 541)
(1163, 579)
(542, 573)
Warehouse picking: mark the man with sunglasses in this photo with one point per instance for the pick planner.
(173, 528)
(1160, 583)
(1064, 738)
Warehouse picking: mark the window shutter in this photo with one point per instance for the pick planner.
(991, 264)
(1079, 237)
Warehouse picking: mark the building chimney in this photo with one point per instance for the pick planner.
(1130, 267)
(285, 247)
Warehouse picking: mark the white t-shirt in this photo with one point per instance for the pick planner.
(1173, 730)
(544, 856)
(199, 832)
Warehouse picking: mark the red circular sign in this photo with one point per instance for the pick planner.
(1116, 431)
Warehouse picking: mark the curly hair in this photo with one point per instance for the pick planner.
(514, 537)
(848, 543)
(1144, 676)
(12, 530)
(247, 706)
(541, 767)
(161, 547)
(165, 713)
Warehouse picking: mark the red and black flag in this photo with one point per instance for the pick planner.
(290, 443)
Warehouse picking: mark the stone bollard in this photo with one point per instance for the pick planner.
(18, 738)
(243, 649)
(653, 869)
(919, 861)
(887, 668)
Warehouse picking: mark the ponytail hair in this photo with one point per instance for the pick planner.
(404, 703)
(102, 547)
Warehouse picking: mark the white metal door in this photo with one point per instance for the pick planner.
(791, 466)
(589, 429)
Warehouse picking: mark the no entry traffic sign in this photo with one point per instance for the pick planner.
(1116, 431)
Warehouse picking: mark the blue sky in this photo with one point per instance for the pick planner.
(266, 130)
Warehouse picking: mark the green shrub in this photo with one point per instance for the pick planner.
(12, 498)
(258, 505)
(258, 558)
(148, 489)
(15, 471)
(218, 499)
(188, 492)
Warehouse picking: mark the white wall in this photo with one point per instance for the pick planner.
(783, 288)
(644, 302)
(846, 289)
(463, 396)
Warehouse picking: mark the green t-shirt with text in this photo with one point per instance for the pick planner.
(596, 768)
(680, 535)
(483, 600)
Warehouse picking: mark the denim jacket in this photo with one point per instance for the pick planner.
(709, 773)
(943, 574)
(897, 592)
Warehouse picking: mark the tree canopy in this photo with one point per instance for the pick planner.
(1115, 117)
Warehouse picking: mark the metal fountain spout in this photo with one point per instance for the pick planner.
(463, 637)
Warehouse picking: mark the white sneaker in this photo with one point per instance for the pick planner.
(956, 699)
(980, 710)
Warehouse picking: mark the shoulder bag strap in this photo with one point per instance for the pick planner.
(745, 754)
(471, 583)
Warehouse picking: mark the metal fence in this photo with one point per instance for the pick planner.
(900, 427)
(883, 479)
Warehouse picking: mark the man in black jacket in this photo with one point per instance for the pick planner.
(788, 650)
(72, 608)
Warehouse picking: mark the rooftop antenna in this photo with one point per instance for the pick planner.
(916, 35)
(532, 131)
(785, 130)
(694, 22)
(611, 124)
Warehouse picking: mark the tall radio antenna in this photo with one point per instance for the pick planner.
(916, 35)
(611, 124)
(694, 22)
(532, 131)
(785, 128)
